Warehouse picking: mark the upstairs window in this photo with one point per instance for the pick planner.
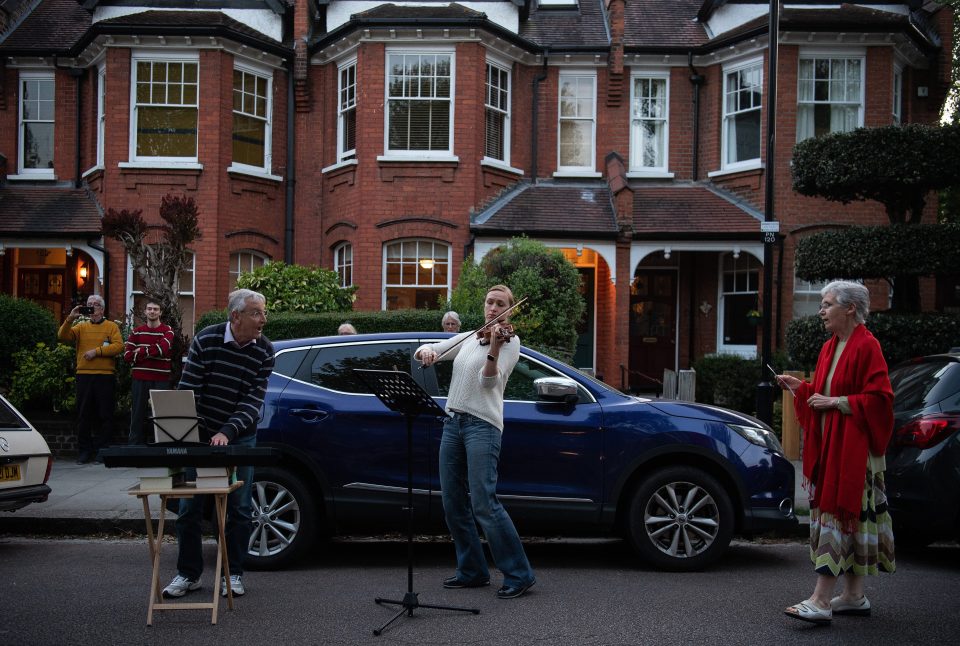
(419, 103)
(497, 139)
(347, 112)
(101, 112)
(829, 95)
(742, 103)
(648, 124)
(251, 118)
(165, 109)
(578, 120)
(36, 123)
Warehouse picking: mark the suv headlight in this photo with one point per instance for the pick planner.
(759, 436)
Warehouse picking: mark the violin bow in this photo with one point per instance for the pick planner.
(483, 327)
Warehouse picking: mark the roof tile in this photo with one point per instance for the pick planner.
(47, 212)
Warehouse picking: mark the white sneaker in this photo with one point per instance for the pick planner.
(180, 586)
(236, 585)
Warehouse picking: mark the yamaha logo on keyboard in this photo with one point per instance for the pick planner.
(176, 451)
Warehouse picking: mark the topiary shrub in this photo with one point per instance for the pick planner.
(24, 324)
(44, 378)
(901, 336)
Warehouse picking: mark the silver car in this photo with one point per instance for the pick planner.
(25, 460)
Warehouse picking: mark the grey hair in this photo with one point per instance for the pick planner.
(451, 315)
(850, 293)
(97, 298)
(237, 300)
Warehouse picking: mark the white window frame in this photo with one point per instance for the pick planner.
(419, 155)
(101, 113)
(27, 76)
(343, 263)
(182, 293)
(161, 57)
(743, 350)
(503, 109)
(246, 67)
(846, 56)
(637, 165)
(422, 245)
(346, 103)
(577, 76)
(897, 91)
(805, 293)
(739, 70)
(244, 264)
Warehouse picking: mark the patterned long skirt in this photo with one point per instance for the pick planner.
(867, 551)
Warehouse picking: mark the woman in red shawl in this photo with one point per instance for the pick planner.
(847, 418)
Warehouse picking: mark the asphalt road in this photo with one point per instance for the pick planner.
(57, 592)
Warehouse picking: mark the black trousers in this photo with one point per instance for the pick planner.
(95, 401)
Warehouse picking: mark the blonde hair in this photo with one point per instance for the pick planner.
(506, 290)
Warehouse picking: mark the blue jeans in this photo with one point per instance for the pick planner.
(238, 526)
(469, 455)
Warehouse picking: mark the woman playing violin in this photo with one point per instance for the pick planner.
(470, 449)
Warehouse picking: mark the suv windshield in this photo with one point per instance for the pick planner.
(919, 385)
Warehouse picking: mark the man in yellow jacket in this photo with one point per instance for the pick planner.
(98, 343)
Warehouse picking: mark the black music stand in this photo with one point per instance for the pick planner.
(400, 393)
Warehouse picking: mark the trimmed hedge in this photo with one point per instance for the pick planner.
(23, 325)
(879, 252)
(294, 325)
(902, 336)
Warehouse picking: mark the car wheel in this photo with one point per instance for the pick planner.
(680, 519)
(284, 520)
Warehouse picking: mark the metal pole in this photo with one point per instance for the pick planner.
(765, 387)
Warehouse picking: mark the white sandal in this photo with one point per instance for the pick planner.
(809, 611)
(860, 607)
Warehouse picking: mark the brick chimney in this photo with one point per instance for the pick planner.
(622, 193)
(615, 11)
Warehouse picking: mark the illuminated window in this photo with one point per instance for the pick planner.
(416, 274)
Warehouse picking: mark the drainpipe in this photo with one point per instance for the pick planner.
(534, 120)
(291, 168)
(106, 267)
(696, 79)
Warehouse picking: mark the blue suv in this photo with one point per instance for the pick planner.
(579, 458)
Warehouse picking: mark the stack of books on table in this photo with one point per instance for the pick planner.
(214, 477)
(161, 477)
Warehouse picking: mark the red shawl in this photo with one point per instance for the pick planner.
(835, 459)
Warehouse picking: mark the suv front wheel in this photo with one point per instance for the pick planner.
(284, 520)
(680, 518)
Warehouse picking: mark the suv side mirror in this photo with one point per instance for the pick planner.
(557, 389)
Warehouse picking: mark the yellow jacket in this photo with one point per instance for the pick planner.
(104, 336)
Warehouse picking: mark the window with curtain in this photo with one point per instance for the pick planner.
(739, 295)
(742, 106)
(251, 118)
(419, 102)
(165, 109)
(416, 274)
(497, 138)
(343, 263)
(577, 121)
(243, 262)
(829, 96)
(648, 125)
(347, 112)
(37, 105)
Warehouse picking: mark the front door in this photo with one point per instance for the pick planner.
(653, 328)
(44, 287)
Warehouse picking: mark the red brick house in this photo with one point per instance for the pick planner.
(390, 141)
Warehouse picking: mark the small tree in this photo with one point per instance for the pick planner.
(297, 288)
(160, 260)
(897, 166)
(548, 320)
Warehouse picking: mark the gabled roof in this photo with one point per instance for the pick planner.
(398, 12)
(652, 24)
(154, 21)
(53, 27)
(551, 209)
(689, 210)
(44, 212)
(582, 28)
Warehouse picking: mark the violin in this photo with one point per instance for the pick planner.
(504, 333)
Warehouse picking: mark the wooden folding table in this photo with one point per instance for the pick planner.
(155, 542)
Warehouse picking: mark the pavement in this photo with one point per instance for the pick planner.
(92, 499)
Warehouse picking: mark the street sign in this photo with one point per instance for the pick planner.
(772, 226)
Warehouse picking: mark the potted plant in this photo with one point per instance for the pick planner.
(754, 317)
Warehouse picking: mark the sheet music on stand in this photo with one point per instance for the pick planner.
(175, 416)
(399, 392)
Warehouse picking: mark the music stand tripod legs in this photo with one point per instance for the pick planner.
(400, 393)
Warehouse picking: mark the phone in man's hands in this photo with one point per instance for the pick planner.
(86, 310)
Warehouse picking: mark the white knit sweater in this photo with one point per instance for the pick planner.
(471, 392)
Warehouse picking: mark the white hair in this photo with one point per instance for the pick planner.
(237, 300)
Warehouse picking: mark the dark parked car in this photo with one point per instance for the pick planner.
(678, 479)
(923, 459)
